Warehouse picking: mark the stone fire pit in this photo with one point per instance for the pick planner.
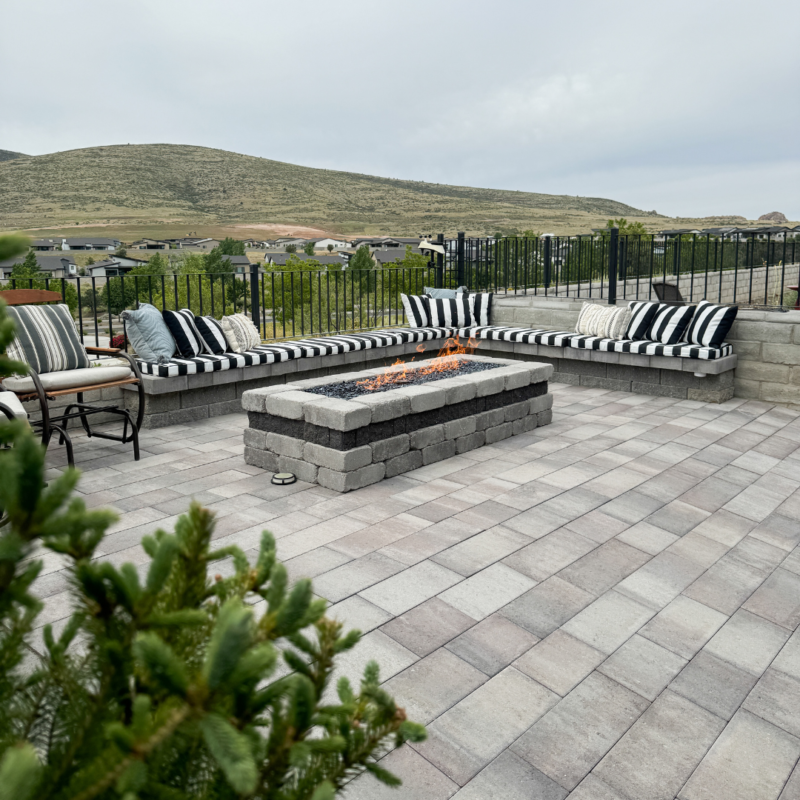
(346, 444)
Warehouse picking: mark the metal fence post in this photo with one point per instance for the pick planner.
(255, 310)
(460, 258)
(613, 252)
(440, 263)
(547, 262)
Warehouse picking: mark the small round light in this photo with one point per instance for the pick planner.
(284, 478)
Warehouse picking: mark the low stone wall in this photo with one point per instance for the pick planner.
(347, 444)
(766, 345)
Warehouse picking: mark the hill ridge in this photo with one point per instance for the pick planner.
(154, 183)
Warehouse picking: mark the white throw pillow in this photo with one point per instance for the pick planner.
(607, 322)
(240, 333)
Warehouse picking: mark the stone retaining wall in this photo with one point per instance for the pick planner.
(766, 345)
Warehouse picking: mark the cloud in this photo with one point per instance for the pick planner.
(686, 107)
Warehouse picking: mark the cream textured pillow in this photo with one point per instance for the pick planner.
(240, 333)
(607, 322)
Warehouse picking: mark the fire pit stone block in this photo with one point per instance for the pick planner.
(347, 444)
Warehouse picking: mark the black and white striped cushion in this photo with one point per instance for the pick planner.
(480, 307)
(711, 324)
(417, 310)
(447, 313)
(210, 332)
(670, 323)
(45, 338)
(642, 315)
(181, 326)
(647, 348)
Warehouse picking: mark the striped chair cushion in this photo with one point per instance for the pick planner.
(648, 348)
(45, 338)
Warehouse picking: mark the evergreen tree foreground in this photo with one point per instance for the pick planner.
(195, 675)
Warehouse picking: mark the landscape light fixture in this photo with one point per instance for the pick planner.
(284, 478)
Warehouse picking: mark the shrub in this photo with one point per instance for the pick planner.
(164, 682)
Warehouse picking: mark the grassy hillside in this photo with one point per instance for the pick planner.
(7, 155)
(158, 187)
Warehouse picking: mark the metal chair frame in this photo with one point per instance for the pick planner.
(50, 424)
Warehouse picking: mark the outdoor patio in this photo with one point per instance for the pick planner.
(603, 608)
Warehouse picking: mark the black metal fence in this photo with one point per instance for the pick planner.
(288, 304)
(739, 269)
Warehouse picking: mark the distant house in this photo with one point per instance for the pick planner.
(150, 244)
(775, 233)
(723, 232)
(296, 241)
(90, 244)
(114, 266)
(674, 234)
(388, 257)
(193, 243)
(55, 266)
(278, 260)
(239, 264)
(385, 242)
(46, 244)
(323, 244)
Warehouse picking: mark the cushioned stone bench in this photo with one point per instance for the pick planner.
(184, 390)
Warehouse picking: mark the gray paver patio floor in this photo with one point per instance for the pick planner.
(602, 609)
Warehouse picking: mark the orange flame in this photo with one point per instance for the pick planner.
(446, 360)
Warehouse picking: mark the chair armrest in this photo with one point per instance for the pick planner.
(104, 351)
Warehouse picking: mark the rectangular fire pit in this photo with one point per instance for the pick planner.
(344, 444)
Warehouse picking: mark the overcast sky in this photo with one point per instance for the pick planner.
(689, 108)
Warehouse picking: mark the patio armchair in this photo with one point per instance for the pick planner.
(43, 387)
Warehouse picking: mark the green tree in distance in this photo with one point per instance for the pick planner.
(362, 259)
(231, 247)
(29, 268)
(308, 248)
(626, 228)
(291, 248)
(330, 248)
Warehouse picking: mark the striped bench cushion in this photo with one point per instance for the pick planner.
(522, 335)
(349, 342)
(286, 351)
(647, 348)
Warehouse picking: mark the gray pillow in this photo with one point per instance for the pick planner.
(149, 334)
(443, 294)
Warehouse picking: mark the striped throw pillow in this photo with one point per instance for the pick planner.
(711, 324)
(212, 335)
(670, 323)
(450, 313)
(417, 308)
(642, 315)
(480, 307)
(181, 326)
(45, 338)
(240, 333)
(607, 322)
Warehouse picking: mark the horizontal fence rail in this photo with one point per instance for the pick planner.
(287, 304)
(740, 269)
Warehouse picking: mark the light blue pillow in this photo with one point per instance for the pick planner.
(443, 294)
(149, 334)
